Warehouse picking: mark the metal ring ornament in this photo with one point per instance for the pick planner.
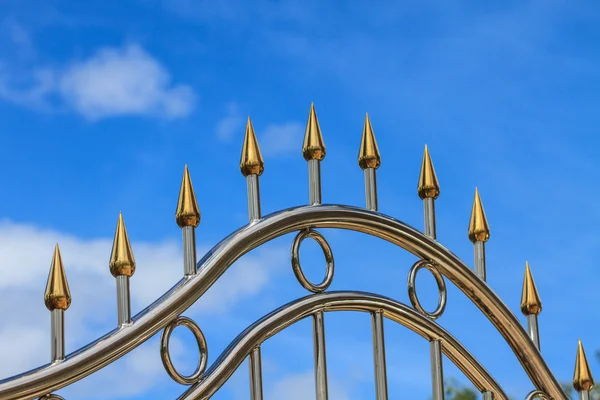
(202, 349)
(537, 394)
(310, 233)
(412, 291)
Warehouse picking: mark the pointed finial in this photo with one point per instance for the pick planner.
(428, 183)
(314, 147)
(479, 231)
(58, 295)
(188, 213)
(530, 299)
(121, 257)
(582, 378)
(368, 156)
(251, 162)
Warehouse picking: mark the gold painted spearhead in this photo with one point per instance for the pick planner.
(251, 162)
(479, 231)
(121, 257)
(582, 378)
(314, 147)
(428, 182)
(368, 156)
(530, 299)
(58, 295)
(188, 213)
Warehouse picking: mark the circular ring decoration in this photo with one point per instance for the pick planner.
(166, 357)
(412, 291)
(310, 233)
(536, 394)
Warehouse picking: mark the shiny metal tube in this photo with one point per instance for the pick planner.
(256, 390)
(437, 372)
(487, 396)
(584, 395)
(123, 301)
(320, 356)
(314, 181)
(57, 335)
(480, 260)
(429, 211)
(155, 317)
(532, 327)
(371, 188)
(379, 356)
(253, 197)
(189, 250)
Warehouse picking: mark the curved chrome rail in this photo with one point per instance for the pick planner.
(165, 309)
(296, 310)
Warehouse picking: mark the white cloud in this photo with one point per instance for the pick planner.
(302, 386)
(282, 138)
(231, 124)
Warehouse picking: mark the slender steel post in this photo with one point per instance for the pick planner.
(314, 181)
(584, 395)
(253, 197)
(531, 306)
(371, 189)
(480, 260)
(189, 250)
(122, 267)
(532, 328)
(379, 356)
(57, 299)
(57, 329)
(188, 217)
(256, 390)
(123, 300)
(487, 396)
(479, 233)
(429, 211)
(320, 356)
(437, 373)
(428, 190)
(369, 160)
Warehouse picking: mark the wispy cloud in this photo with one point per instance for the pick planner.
(231, 123)
(281, 138)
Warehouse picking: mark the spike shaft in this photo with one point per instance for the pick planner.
(314, 181)
(371, 189)
(379, 356)
(429, 211)
(57, 335)
(437, 372)
(480, 260)
(320, 360)
(189, 250)
(254, 212)
(123, 300)
(256, 390)
(533, 330)
(584, 395)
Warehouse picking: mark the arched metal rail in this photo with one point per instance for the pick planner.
(155, 317)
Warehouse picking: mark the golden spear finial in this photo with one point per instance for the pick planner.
(479, 231)
(530, 299)
(368, 156)
(188, 213)
(251, 162)
(57, 295)
(314, 147)
(121, 258)
(428, 182)
(582, 378)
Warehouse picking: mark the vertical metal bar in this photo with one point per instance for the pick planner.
(253, 197)
(429, 211)
(256, 391)
(123, 304)
(584, 395)
(57, 335)
(189, 250)
(487, 396)
(314, 181)
(437, 373)
(371, 188)
(480, 260)
(320, 360)
(379, 356)
(532, 327)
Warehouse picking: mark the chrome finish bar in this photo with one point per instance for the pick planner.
(189, 250)
(253, 197)
(437, 372)
(57, 335)
(480, 260)
(320, 356)
(314, 181)
(487, 396)
(532, 327)
(371, 188)
(156, 316)
(256, 390)
(379, 356)
(429, 208)
(584, 395)
(123, 303)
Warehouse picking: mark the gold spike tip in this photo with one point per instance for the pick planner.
(368, 156)
(479, 231)
(188, 213)
(530, 299)
(251, 162)
(57, 295)
(582, 378)
(428, 183)
(314, 147)
(121, 257)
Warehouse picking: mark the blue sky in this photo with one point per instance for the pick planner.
(102, 104)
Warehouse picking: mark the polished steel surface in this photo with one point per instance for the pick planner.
(327, 253)
(429, 213)
(314, 146)
(251, 160)
(412, 289)
(165, 355)
(487, 396)
(479, 230)
(52, 397)
(314, 182)
(582, 377)
(368, 155)
(381, 388)
(57, 335)
(253, 197)
(371, 189)
(123, 300)
(530, 298)
(479, 249)
(57, 295)
(187, 213)
(429, 187)
(537, 394)
(122, 262)
(584, 395)
(533, 329)
(155, 317)
(256, 389)
(320, 356)
(188, 234)
(437, 370)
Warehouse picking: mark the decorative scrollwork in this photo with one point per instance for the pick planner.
(412, 291)
(310, 233)
(202, 349)
(537, 394)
